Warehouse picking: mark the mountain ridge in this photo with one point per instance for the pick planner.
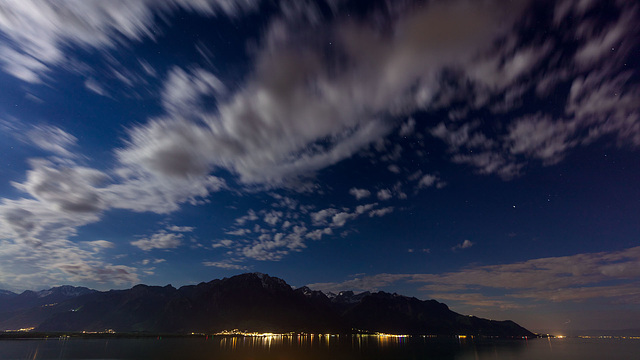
(253, 301)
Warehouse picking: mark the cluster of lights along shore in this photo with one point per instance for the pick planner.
(239, 333)
(270, 335)
(236, 332)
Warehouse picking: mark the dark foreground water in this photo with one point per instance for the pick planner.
(319, 347)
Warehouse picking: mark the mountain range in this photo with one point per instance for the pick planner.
(252, 301)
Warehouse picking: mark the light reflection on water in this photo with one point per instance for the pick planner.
(309, 341)
(318, 347)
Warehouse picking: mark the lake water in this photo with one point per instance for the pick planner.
(319, 347)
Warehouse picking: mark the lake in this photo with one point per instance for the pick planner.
(319, 347)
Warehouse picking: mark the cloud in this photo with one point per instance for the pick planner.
(365, 283)
(604, 104)
(49, 138)
(381, 212)
(540, 137)
(36, 264)
(169, 148)
(625, 293)
(176, 228)
(359, 193)
(159, 240)
(318, 233)
(566, 275)
(184, 91)
(407, 128)
(71, 189)
(239, 232)
(117, 274)
(427, 181)
(141, 191)
(341, 218)
(581, 277)
(394, 154)
(52, 139)
(384, 194)
(464, 245)
(34, 250)
(38, 32)
(223, 243)
(470, 146)
(394, 168)
(251, 216)
(464, 135)
(503, 70)
(273, 217)
(98, 245)
(491, 163)
(320, 217)
(361, 209)
(286, 202)
(34, 223)
(94, 86)
(228, 265)
(397, 189)
(480, 300)
(600, 44)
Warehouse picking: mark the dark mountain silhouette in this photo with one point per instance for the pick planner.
(255, 302)
(6, 293)
(10, 301)
(32, 307)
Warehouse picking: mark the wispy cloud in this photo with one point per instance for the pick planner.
(384, 194)
(176, 228)
(160, 240)
(464, 245)
(94, 86)
(40, 30)
(581, 277)
(227, 265)
(359, 193)
(381, 212)
(53, 139)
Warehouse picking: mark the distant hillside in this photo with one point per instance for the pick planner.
(596, 332)
(33, 307)
(253, 301)
(10, 301)
(6, 293)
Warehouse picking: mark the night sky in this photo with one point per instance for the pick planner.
(481, 153)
